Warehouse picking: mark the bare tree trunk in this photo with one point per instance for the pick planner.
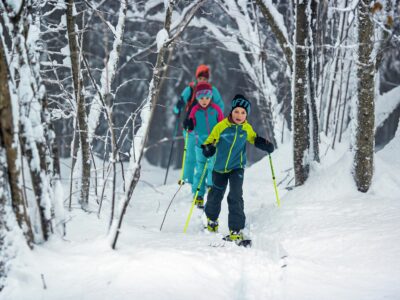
(9, 139)
(311, 77)
(364, 144)
(317, 34)
(300, 122)
(80, 100)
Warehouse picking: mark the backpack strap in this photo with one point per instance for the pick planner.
(189, 104)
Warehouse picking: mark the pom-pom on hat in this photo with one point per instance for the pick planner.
(203, 89)
(241, 101)
(203, 71)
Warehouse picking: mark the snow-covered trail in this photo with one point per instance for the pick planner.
(340, 244)
(148, 263)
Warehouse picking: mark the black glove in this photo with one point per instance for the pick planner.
(208, 150)
(263, 144)
(188, 124)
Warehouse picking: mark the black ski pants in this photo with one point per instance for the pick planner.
(236, 217)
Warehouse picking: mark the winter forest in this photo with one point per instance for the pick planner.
(93, 204)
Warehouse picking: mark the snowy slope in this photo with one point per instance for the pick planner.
(340, 244)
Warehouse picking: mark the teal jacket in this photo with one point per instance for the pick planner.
(230, 140)
(204, 120)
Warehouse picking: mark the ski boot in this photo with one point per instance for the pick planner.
(212, 226)
(238, 238)
(199, 202)
(234, 236)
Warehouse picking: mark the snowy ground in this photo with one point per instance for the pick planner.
(340, 244)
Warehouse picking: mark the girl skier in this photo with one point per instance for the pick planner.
(202, 119)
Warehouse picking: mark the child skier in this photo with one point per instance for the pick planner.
(202, 119)
(186, 102)
(228, 141)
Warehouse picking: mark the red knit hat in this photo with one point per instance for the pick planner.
(203, 89)
(203, 71)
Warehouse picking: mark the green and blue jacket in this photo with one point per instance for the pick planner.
(230, 140)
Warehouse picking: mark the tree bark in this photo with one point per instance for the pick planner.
(364, 144)
(311, 85)
(80, 101)
(9, 139)
(300, 123)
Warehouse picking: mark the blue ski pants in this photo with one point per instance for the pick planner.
(200, 163)
(190, 160)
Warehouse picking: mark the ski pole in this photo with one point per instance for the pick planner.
(181, 182)
(278, 202)
(172, 147)
(195, 197)
(165, 215)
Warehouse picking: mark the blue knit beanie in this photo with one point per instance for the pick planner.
(241, 101)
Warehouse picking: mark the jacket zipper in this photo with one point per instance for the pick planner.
(230, 150)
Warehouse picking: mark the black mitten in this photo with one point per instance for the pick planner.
(188, 124)
(263, 144)
(208, 150)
